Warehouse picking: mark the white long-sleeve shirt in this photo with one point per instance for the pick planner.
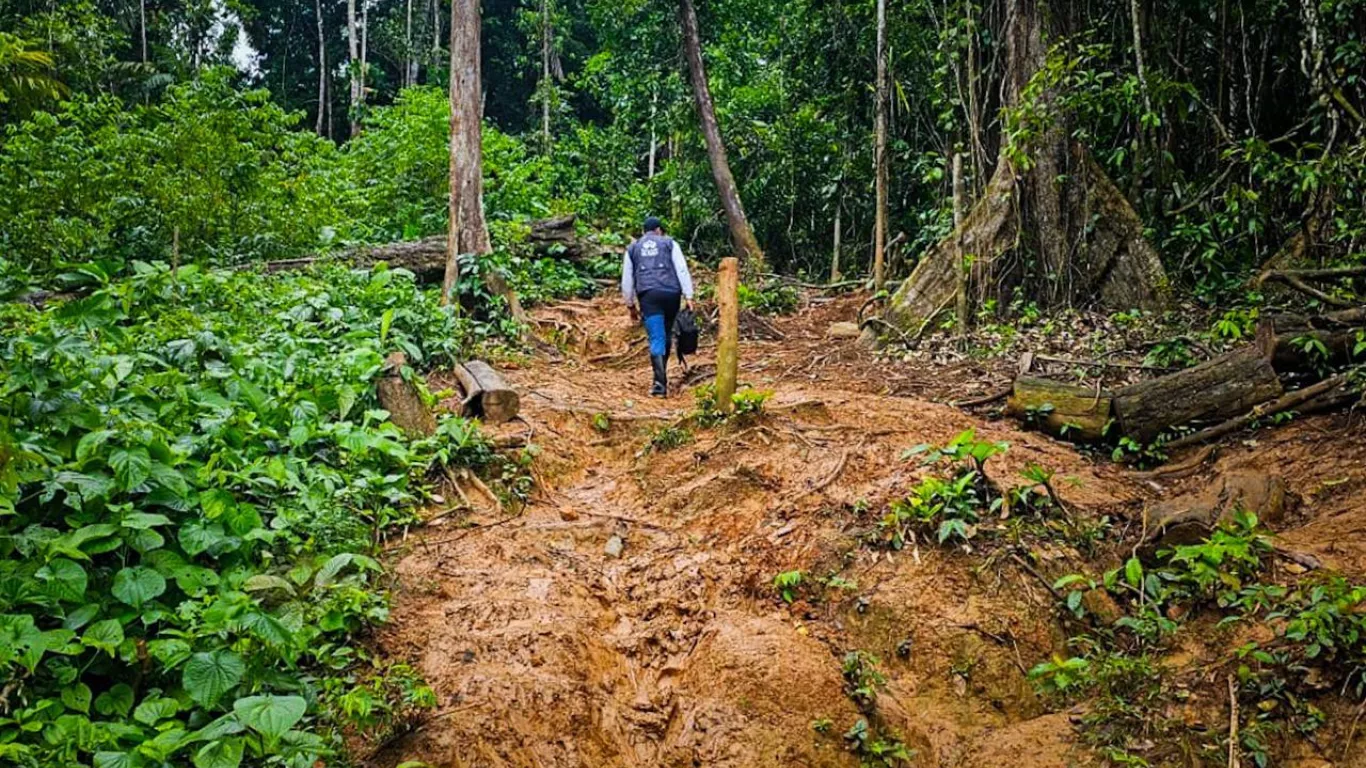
(628, 276)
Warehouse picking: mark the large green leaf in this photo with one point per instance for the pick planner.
(104, 635)
(114, 760)
(140, 521)
(132, 467)
(270, 716)
(138, 585)
(65, 581)
(118, 700)
(207, 676)
(77, 697)
(153, 710)
(225, 753)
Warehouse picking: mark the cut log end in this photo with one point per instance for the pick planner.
(1076, 413)
(487, 395)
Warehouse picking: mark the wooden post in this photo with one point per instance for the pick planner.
(961, 278)
(728, 338)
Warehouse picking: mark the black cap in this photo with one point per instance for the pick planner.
(652, 223)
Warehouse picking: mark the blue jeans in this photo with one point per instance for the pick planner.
(659, 309)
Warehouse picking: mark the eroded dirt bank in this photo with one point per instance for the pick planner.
(628, 616)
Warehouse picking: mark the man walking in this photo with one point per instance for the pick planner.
(654, 283)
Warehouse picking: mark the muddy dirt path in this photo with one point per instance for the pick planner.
(627, 617)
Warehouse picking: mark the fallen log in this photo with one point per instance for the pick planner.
(559, 238)
(1306, 343)
(487, 395)
(1065, 410)
(402, 400)
(426, 258)
(1289, 402)
(1226, 386)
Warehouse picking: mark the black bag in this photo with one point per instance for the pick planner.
(685, 331)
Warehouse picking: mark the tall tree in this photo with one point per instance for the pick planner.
(467, 231)
(354, 65)
(1051, 225)
(880, 153)
(410, 57)
(323, 126)
(741, 235)
(547, 41)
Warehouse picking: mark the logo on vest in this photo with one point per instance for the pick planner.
(649, 249)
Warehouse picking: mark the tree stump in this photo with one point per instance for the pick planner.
(402, 400)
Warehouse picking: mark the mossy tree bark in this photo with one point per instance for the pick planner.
(1058, 232)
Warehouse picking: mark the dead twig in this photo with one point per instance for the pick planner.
(833, 476)
(1233, 761)
(470, 531)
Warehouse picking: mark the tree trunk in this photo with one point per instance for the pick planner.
(487, 395)
(546, 84)
(468, 232)
(1221, 388)
(353, 49)
(654, 137)
(728, 335)
(409, 75)
(960, 291)
(742, 237)
(322, 128)
(835, 252)
(1057, 230)
(880, 153)
(142, 27)
(402, 399)
(364, 50)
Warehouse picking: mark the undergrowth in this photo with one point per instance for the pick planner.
(194, 470)
(1319, 645)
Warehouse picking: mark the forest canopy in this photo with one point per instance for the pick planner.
(1239, 131)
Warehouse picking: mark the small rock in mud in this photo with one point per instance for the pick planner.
(903, 649)
(844, 331)
(568, 515)
(614, 547)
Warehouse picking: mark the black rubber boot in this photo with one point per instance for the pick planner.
(660, 364)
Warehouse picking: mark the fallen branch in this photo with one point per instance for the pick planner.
(1334, 273)
(1303, 287)
(1299, 558)
(1181, 469)
(1286, 403)
(1232, 723)
(984, 400)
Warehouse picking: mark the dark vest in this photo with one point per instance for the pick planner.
(652, 264)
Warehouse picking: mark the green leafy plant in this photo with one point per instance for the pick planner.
(768, 299)
(788, 583)
(747, 406)
(862, 679)
(197, 468)
(669, 437)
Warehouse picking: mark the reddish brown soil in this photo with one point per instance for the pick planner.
(546, 650)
